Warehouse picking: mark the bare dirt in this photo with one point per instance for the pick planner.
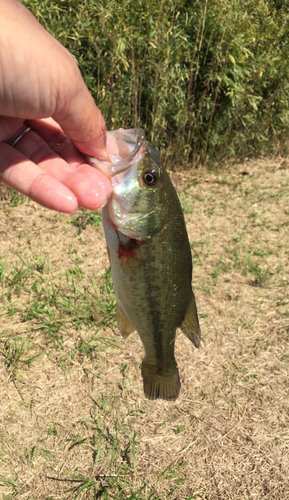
(72, 421)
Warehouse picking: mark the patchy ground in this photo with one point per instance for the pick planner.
(73, 419)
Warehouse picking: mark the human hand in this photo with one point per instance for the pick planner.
(39, 78)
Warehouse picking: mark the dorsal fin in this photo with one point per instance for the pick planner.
(190, 325)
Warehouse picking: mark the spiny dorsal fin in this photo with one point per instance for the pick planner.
(190, 325)
(125, 327)
(160, 386)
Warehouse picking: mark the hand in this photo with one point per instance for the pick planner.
(38, 79)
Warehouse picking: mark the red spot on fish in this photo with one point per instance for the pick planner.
(127, 250)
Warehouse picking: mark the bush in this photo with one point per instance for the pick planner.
(207, 80)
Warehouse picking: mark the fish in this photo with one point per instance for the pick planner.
(151, 263)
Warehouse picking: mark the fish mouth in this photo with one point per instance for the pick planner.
(131, 141)
(138, 151)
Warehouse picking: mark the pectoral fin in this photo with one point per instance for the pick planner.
(125, 327)
(190, 325)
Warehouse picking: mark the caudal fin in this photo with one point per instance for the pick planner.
(157, 386)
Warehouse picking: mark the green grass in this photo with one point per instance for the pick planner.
(113, 443)
(50, 305)
(74, 415)
(85, 218)
(243, 260)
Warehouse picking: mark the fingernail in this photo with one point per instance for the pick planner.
(97, 198)
(102, 155)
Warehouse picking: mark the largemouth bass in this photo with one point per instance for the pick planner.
(151, 261)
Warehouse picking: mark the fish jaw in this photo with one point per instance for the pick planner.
(138, 226)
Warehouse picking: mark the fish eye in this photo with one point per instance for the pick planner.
(150, 178)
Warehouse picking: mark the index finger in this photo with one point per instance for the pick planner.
(52, 133)
(21, 174)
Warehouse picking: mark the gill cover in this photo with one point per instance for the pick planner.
(137, 206)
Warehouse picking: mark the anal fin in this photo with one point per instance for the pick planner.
(160, 386)
(124, 325)
(190, 325)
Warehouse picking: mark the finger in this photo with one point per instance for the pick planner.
(54, 136)
(8, 127)
(83, 122)
(111, 145)
(27, 178)
(90, 187)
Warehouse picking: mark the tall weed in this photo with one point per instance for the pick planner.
(207, 80)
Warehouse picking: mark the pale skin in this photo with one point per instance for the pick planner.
(41, 87)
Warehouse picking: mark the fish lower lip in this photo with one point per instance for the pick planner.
(127, 223)
(135, 216)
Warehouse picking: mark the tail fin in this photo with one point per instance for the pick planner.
(158, 386)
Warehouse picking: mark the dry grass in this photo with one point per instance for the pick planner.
(74, 422)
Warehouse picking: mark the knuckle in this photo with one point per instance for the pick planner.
(43, 152)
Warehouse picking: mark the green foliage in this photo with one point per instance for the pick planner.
(13, 198)
(84, 217)
(53, 305)
(207, 80)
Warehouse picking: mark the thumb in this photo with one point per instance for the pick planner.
(82, 121)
